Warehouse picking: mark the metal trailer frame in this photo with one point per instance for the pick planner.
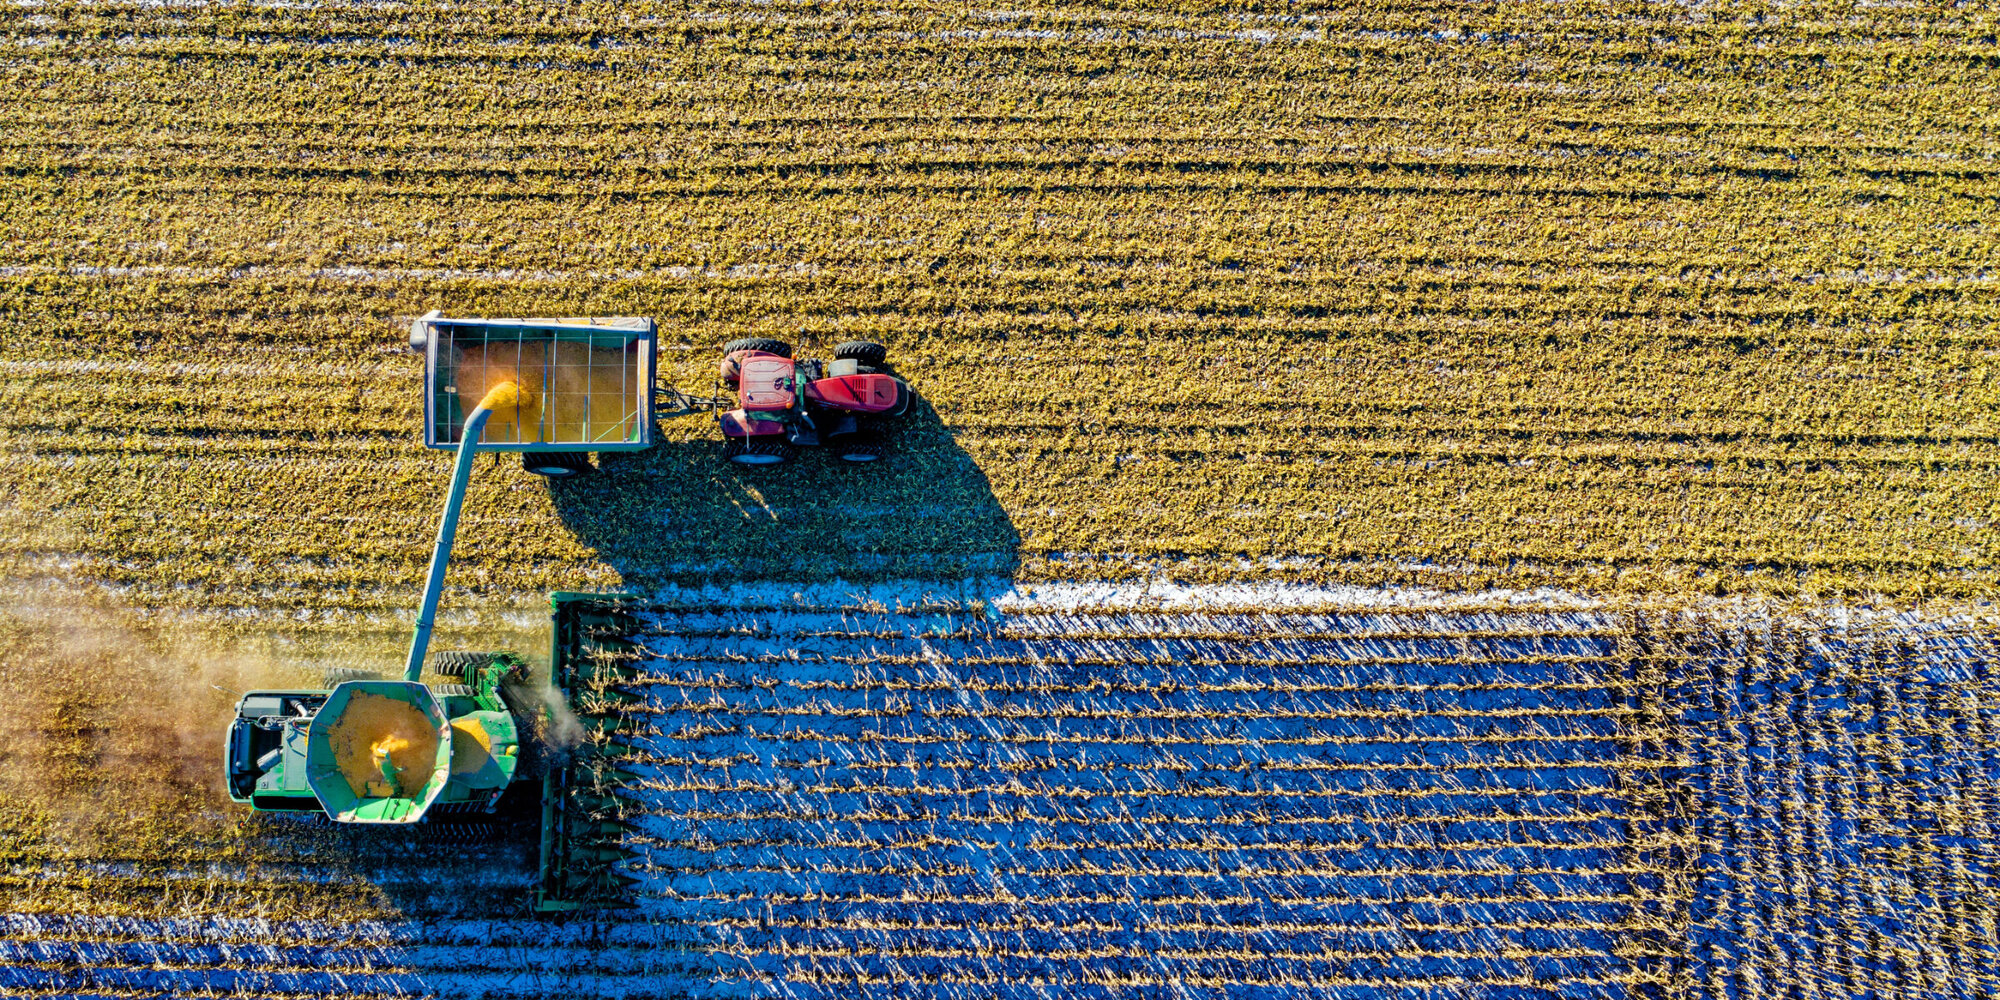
(637, 389)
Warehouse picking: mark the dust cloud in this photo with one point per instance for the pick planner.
(107, 720)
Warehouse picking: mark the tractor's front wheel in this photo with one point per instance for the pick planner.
(557, 464)
(458, 662)
(867, 352)
(764, 449)
(340, 675)
(765, 344)
(449, 690)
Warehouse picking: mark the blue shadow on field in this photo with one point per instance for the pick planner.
(679, 513)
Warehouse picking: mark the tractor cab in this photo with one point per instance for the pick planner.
(783, 404)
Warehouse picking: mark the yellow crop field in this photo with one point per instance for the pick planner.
(1645, 344)
(1696, 303)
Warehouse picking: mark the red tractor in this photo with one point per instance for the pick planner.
(782, 404)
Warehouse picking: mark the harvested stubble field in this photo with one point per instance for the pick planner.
(1644, 300)
(1636, 298)
(838, 797)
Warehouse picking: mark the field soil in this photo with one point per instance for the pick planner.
(1487, 501)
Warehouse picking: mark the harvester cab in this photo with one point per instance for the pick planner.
(372, 749)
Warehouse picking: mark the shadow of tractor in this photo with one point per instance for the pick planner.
(679, 514)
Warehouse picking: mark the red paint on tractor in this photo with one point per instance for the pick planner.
(859, 393)
(765, 382)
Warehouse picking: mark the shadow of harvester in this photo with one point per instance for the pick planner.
(679, 514)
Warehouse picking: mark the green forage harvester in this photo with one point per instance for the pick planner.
(369, 749)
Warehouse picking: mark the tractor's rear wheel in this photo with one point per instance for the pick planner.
(557, 464)
(867, 352)
(765, 344)
(341, 675)
(458, 662)
(768, 449)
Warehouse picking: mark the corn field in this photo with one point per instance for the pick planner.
(1402, 503)
(1641, 299)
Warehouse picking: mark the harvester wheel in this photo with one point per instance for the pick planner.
(765, 344)
(458, 662)
(341, 675)
(867, 352)
(761, 450)
(556, 464)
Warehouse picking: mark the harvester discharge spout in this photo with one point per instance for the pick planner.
(505, 396)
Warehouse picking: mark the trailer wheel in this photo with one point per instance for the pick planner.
(765, 344)
(867, 352)
(458, 662)
(341, 675)
(557, 464)
(761, 450)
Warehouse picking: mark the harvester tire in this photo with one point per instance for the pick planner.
(458, 662)
(557, 464)
(341, 675)
(765, 344)
(766, 449)
(867, 352)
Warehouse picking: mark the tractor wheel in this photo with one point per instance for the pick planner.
(861, 452)
(341, 675)
(867, 352)
(448, 690)
(761, 450)
(557, 464)
(458, 662)
(765, 344)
